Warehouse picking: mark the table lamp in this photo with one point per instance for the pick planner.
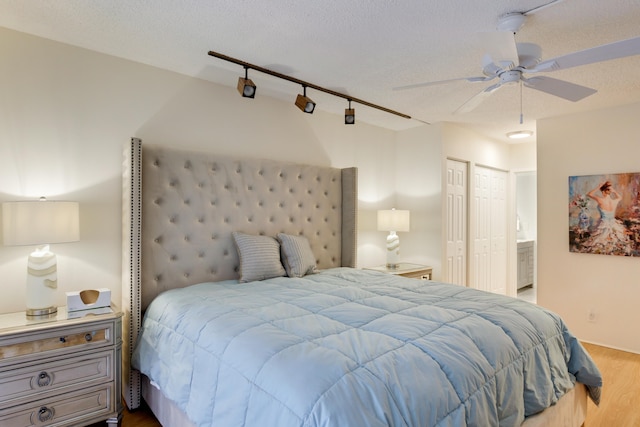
(393, 221)
(40, 223)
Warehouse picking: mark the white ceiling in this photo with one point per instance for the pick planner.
(363, 48)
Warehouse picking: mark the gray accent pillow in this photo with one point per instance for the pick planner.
(297, 257)
(259, 257)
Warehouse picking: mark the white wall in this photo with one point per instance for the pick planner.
(66, 113)
(465, 144)
(419, 189)
(572, 284)
(522, 157)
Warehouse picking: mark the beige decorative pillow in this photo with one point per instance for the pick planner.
(259, 257)
(297, 257)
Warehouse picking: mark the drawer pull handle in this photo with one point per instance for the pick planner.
(63, 339)
(44, 379)
(88, 337)
(45, 414)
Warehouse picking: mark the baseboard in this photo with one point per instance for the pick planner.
(611, 347)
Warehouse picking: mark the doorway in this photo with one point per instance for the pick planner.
(526, 234)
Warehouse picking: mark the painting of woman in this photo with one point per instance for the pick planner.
(604, 214)
(609, 236)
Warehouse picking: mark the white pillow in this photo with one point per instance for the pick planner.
(259, 257)
(297, 256)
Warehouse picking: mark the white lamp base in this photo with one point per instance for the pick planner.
(42, 283)
(41, 312)
(393, 250)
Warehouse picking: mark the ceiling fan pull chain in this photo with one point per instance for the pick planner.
(521, 117)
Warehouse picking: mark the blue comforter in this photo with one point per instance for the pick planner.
(357, 348)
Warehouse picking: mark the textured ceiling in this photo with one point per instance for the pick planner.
(364, 48)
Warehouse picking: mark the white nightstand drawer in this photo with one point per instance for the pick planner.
(18, 385)
(59, 409)
(62, 340)
(61, 371)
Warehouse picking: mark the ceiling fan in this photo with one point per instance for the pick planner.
(516, 60)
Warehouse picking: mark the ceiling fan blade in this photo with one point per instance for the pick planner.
(559, 88)
(439, 82)
(477, 99)
(490, 68)
(541, 7)
(501, 45)
(605, 52)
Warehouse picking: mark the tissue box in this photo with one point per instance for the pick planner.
(88, 299)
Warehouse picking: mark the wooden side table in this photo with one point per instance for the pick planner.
(61, 371)
(405, 269)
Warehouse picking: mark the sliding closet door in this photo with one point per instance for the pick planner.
(455, 270)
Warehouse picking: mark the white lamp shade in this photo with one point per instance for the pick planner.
(40, 222)
(393, 220)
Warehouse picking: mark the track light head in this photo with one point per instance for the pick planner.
(246, 87)
(305, 103)
(349, 115)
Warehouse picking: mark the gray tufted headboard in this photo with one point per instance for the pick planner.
(180, 207)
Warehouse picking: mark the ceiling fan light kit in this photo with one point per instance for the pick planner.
(520, 134)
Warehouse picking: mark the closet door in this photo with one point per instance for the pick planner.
(498, 282)
(455, 270)
(489, 264)
(481, 263)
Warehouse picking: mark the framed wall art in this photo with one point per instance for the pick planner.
(604, 214)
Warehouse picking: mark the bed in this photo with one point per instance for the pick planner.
(242, 328)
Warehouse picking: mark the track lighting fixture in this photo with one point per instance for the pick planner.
(246, 87)
(349, 115)
(305, 103)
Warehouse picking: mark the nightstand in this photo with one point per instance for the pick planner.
(405, 269)
(60, 371)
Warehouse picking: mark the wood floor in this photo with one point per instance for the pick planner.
(620, 406)
(142, 417)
